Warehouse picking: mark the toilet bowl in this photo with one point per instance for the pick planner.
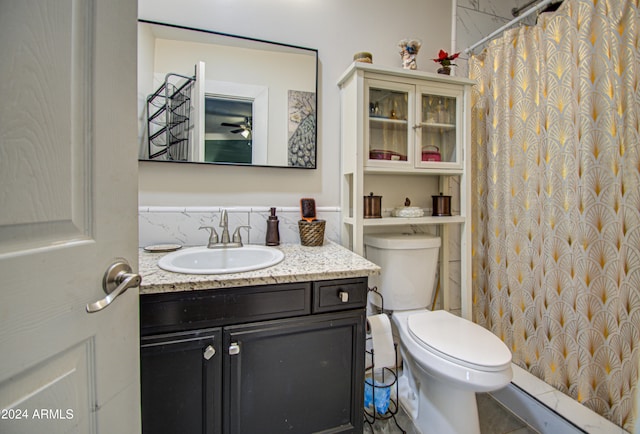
(441, 376)
(447, 359)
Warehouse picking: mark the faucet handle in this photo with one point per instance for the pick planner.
(236, 234)
(213, 235)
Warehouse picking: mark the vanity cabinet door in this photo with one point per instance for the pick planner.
(301, 375)
(181, 382)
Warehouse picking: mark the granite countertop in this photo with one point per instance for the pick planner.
(300, 264)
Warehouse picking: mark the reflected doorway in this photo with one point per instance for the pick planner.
(228, 129)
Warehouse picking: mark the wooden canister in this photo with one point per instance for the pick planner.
(441, 205)
(372, 206)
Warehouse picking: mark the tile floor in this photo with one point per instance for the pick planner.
(494, 419)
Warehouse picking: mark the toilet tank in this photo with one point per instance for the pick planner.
(408, 263)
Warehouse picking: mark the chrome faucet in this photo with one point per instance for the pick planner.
(224, 224)
(224, 240)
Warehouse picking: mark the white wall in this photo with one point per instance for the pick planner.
(338, 29)
(476, 19)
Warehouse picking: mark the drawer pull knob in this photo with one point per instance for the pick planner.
(234, 349)
(209, 352)
(344, 296)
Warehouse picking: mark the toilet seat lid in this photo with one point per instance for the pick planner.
(459, 340)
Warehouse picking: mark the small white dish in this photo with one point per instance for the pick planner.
(162, 248)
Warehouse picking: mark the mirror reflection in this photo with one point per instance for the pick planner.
(207, 97)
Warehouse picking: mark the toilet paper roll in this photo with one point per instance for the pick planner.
(384, 355)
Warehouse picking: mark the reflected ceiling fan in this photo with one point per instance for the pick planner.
(244, 129)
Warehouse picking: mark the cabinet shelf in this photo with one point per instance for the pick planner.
(429, 168)
(402, 221)
(434, 117)
(436, 126)
(380, 122)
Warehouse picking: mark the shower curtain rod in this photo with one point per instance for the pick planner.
(509, 24)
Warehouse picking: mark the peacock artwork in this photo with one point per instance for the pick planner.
(302, 129)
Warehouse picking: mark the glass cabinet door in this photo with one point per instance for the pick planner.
(390, 140)
(439, 133)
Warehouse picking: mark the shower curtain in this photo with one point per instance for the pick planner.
(556, 223)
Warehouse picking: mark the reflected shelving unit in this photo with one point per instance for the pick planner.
(406, 133)
(169, 111)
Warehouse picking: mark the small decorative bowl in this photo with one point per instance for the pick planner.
(363, 57)
(407, 211)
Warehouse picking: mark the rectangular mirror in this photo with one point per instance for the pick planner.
(208, 97)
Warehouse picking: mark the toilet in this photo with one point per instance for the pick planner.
(447, 359)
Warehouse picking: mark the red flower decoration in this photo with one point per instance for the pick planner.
(445, 59)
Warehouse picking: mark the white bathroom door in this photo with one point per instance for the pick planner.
(68, 209)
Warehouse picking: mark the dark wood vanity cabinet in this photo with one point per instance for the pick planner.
(180, 378)
(262, 359)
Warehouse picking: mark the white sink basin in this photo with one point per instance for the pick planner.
(201, 260)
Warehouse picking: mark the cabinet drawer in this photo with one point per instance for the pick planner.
(163, 313)
(337, 295)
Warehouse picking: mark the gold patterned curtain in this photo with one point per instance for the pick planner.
(556, 224)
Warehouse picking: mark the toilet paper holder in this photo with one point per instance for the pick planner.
(379, 382)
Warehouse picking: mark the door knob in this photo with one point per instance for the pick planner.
(234, 349)
(117, 279)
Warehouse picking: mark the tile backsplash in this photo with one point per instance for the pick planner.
(181, 225)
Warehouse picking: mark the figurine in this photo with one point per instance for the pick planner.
(409, 50)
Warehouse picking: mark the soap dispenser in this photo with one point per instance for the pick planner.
(273, 233)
